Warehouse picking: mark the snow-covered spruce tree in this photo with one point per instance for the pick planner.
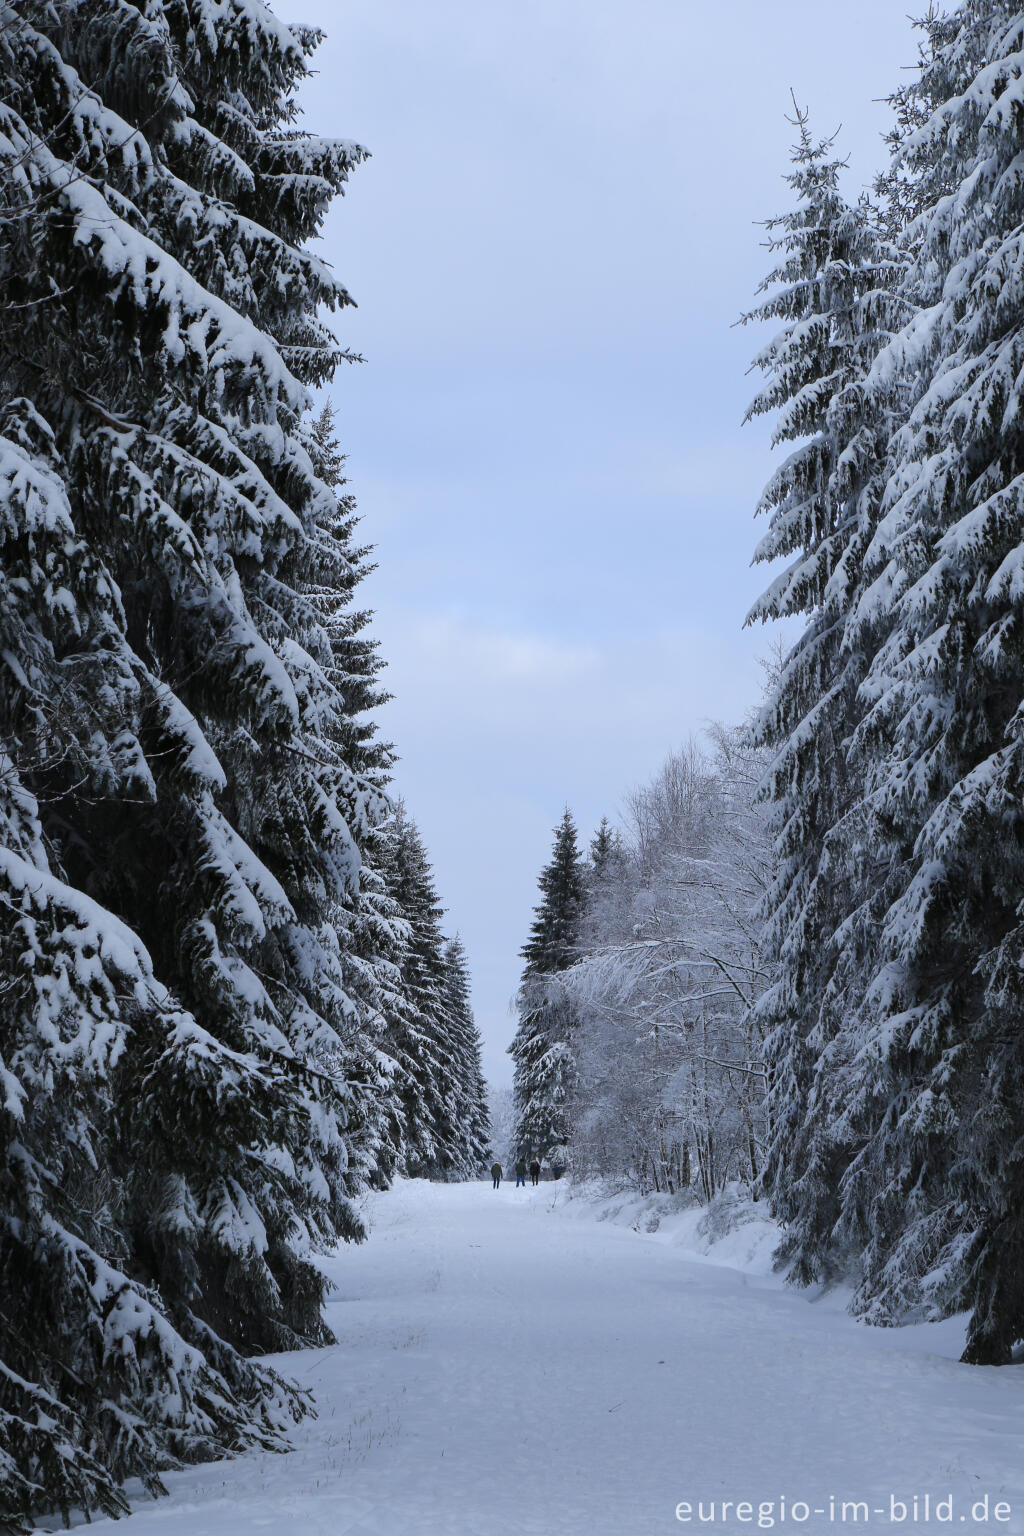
(603, 873)
(415, 1003)
(833, 290)
(474, 1117)
(603, 845)
(187, 744)
(609, 879)
(356, 659)
(372, 932)
(904, 190)
(88, 1357)
(542, 1047)
(436, 1055)
(375, 937)
(936, 1193)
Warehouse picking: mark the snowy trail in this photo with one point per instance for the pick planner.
(505, 1368)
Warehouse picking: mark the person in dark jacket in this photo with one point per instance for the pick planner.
(535, 1171)
(496, 1173)
(521, 1173)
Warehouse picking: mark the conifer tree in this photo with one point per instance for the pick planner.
(474, 1118)
(542, 1047)
(370, 927)
(602, 848)
(432, 1038)
(88, 1355)
(935, 1192)
(606, 876)
(899, 1157)
(412, 1040)
(606, 864)
(833, 292)
(374, 937)
(357, 662)
(183, 760)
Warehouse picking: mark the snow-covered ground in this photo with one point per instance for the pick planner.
(516, 1362)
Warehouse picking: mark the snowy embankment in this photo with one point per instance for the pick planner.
(532, 1363)
(735, 1232)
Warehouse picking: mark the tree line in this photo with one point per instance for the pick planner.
(228, 1006)
(637, 1056)
(880, 991)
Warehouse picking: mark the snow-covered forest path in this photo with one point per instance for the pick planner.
(508, 1367)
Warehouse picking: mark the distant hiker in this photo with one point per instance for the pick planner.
(496, 1173)
(535, 1171)
(521, 1173)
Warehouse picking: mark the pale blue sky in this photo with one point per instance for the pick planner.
(549, 248)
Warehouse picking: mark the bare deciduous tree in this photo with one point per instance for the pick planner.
(670, 1081)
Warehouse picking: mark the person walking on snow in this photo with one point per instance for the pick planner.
(535, 1172)
(521, 1173)
(496, 1173)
